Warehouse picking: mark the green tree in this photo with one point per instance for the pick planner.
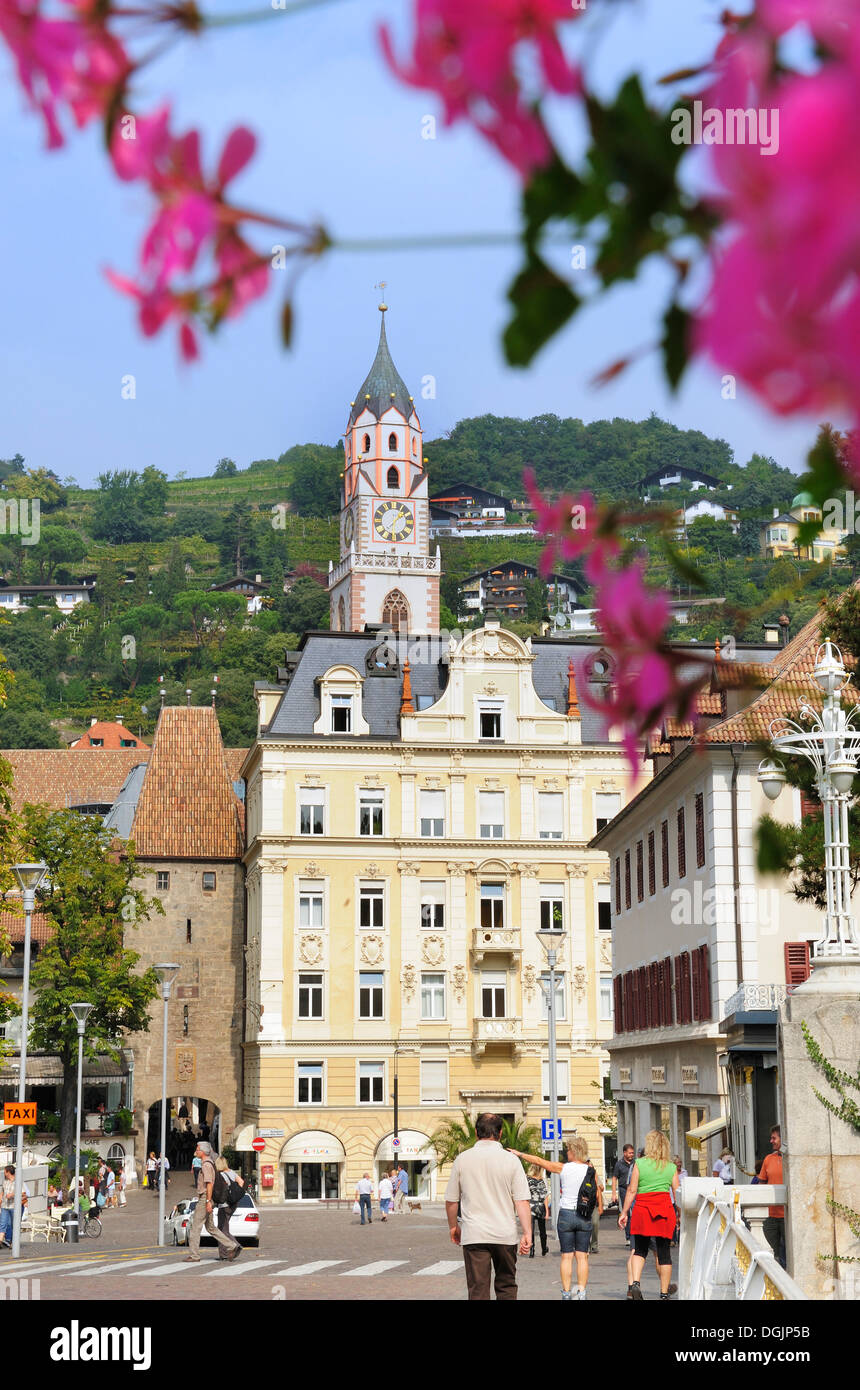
(58, 546)
(170, 580)
(129, 506)
(451, 1137)
(305, 607)
(91, 901)
(225, 468)
(27, 729)
(516, 1134)
(314, 486)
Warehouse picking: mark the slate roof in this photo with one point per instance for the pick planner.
(63, 777)
(188, 808)
(383, 385)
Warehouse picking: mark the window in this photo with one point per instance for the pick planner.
(162, 882)
(652, 865)
(188, 931)
(490, 721)
(492, 905)
(341, 714)
(185, 1021)
(370, 812)
(310, 996)
(433, 905)
(682, 844)
(424, 701)
(701, 985)
(797, 965)
(371, 1083)
(128, 743)
(310, 909)
(311, 811)
(561, 1081)
(550, 815)
(97, 743)
(606, 999)
(664, 848)
(310, 1083)
(627, 898)
(370, 994)
(395, 612)
(431, 808)
(371, 906)
(700, 830)
(552, 907)
(604, 907)
(392, 448)
(494, 994)
(560, 995)
(366, 444)
(640, 873)
(491, 815)
(432, 996)
(434, 1083)
(606, 808)
(208, 883)
(617, 884)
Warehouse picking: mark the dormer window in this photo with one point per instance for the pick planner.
(341, 714)
(392, 444)
(392, 477)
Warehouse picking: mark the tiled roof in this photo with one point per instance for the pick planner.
(41, 926)
(63, 777)
(112, 735)
(188, 808)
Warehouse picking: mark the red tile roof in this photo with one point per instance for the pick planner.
(41, 926)
(188, 808)
(112, 735)
(63, 777)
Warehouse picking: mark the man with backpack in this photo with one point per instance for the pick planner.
(204, 1209)
(227, 1192)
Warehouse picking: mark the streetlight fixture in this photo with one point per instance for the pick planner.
(29, 877)
(830, 740)
(81, 1013)
(550, 941)
(166, 972)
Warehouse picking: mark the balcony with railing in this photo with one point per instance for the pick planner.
(751, 998)
(499, 940)
(722, 1258)
(486, 1031)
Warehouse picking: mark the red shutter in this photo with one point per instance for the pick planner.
(809, 806)
(654, 994)
(627, 879)
(618, 1001)
(636, 1010)
(617, 885)
(797, 967)
(652, 868)
(667, 992)
(700, 831)
(682, 987)
(664, 837)
(629, 1023)
(682, 845)
(701, 985)
(640, 875)
(644, 1001)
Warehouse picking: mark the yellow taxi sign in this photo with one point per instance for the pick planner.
(19, 1112)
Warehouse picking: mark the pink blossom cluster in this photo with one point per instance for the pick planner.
(465, 50)
(191, 217)
(784, 304)
(647, 684)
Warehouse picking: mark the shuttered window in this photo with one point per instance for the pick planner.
(627, 879)
(617, 885)
(683, 1005)
(701, 985)
(666, 991)
(797, 966)
(664, 846)
(700, 831)
(618, 999)
(809, 806)
(652, 868)
(682, 844)
(640, 872)
(629, 1012)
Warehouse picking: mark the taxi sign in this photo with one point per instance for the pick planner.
(19, 1112)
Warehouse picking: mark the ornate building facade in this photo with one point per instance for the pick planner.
(414, 817)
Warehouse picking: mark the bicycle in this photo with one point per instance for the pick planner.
(91, 1226)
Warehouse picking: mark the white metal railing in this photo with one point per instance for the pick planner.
(504, 939)
(751, 997)
(719, 1257)
(381, 560)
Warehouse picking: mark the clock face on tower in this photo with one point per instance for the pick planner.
(348, 528)
(393, 521)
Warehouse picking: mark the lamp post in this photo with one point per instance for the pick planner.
(81, 1013)
(29, 877)
(549, 941)
(830, 740)
(166, 972)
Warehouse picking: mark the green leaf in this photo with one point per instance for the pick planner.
(825, 477)
(675, 324)
(542, 303)
(683, 566)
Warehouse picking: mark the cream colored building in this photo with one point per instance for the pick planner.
(409, 830)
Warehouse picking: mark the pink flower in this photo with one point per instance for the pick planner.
(575, 527)
(832, 21)
(244, 273)
(157, 307)
(465, 50)
(73, 63)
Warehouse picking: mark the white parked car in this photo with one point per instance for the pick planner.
(244, 1223)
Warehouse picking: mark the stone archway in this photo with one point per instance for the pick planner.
(190, 1119)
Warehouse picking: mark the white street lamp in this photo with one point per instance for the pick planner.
(29, 877)
(550, 941)
(81, 1013)
(830, 740)
(166, 972)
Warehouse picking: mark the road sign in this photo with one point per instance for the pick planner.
(395, 1143)
(19, 1112)
(258, 1145)
(549, 1130)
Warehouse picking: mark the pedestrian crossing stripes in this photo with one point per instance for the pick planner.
(157, 1267)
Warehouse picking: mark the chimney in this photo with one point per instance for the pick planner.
(258, 578)
(784, 625)
(119, 719)
(94, 720)
(572, 701)
(776, 511)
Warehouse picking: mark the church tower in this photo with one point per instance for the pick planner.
(386, 573)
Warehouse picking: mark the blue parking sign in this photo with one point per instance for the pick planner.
(549, 1130)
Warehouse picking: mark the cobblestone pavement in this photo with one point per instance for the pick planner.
(305, 1253)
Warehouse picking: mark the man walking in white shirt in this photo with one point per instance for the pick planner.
(490, 1187)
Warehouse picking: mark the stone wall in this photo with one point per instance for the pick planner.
(206, 1061)
(821, 1152)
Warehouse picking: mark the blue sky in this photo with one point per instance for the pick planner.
(340, 142)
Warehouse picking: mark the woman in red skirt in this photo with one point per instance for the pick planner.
(653, 1180)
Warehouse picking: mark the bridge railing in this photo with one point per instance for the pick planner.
(720, 1257)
